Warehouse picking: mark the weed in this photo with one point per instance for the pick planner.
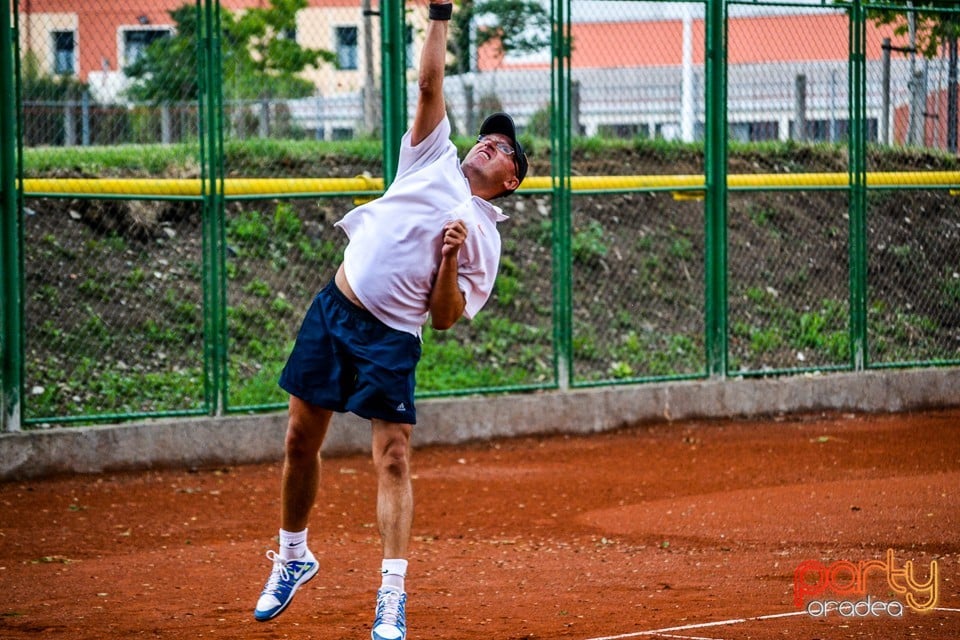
(258, 288)
(588, 245)
(682, 249)
(508, 285)
(286, 223)
(135, 278)
(250, 231)
(760, 215)
(951, 287)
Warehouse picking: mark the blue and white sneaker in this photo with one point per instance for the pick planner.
(286, 577)
(391, 620)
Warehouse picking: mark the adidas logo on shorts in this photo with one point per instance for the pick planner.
(401, 407)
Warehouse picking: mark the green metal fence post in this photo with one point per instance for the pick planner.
(11, 243)
(214, 243)
(715, 203)
(393, 82)
(560, 132)
(858, 189)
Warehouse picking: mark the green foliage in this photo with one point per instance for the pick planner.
(951, 287)
(507, 284)
(259, 60)
(39, 86)
(503, 353)
(588, 244)
(250, 230)
(761, 215)
(822, 330)
(152, 159)
(521, 26)
(540, 122)
(641, 353)
(286, 223)
(682, 249)
(935, 27)
(258, 288)
(268, 154)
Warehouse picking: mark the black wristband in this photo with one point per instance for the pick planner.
(441, 11)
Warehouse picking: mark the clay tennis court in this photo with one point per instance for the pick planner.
(670, 530)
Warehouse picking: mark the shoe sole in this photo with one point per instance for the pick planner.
(286, 604)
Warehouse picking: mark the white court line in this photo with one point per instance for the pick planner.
(670, 635)
(703, 625)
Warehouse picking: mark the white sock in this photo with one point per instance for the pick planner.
(393, 571)
(293, 544)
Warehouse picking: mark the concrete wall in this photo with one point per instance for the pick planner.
(197, 442)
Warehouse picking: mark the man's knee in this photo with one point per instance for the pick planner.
(305, 431)
(300, 445)
(393, 453)
(396, 459)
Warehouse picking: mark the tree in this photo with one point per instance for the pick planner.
(259, 58)
(521, 26)
(931, 26)
(39, 92)
(37, 86)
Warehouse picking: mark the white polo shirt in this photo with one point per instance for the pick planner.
(393, 253)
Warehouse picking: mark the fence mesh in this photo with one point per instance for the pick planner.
(125, 290)
(789, 294)
(114, 306)
(637, 286)
(914, 277)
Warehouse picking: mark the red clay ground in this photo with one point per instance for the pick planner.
(644, 529)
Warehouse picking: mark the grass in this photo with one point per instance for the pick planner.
(173, 159)
(153, 159)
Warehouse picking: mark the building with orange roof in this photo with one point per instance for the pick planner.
(634, 75)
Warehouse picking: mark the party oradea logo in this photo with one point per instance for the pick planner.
(865, 589)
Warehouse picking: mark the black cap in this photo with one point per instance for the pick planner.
(503, 124)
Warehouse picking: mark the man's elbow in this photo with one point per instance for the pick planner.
(446, 318)
(442, 324)
(430, 84)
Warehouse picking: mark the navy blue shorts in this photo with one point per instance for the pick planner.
(345, 359)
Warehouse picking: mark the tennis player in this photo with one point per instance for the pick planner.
(428, 248)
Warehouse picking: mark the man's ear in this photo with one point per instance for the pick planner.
(511, 183)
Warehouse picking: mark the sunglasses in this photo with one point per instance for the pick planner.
(502, 147)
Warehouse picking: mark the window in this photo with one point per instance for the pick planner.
(753, 131)
(346, 39)
(64, 53)
(837, 130)
(136, 41)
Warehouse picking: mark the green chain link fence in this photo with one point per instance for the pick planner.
(716, 189)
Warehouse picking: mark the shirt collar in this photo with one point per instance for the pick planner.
(493, 211)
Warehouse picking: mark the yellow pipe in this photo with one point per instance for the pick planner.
(192, 186)
(288, 186)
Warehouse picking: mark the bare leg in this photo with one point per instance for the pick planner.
(306, 429)
(391, 459)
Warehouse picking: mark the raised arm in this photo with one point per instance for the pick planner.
(431, 107)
